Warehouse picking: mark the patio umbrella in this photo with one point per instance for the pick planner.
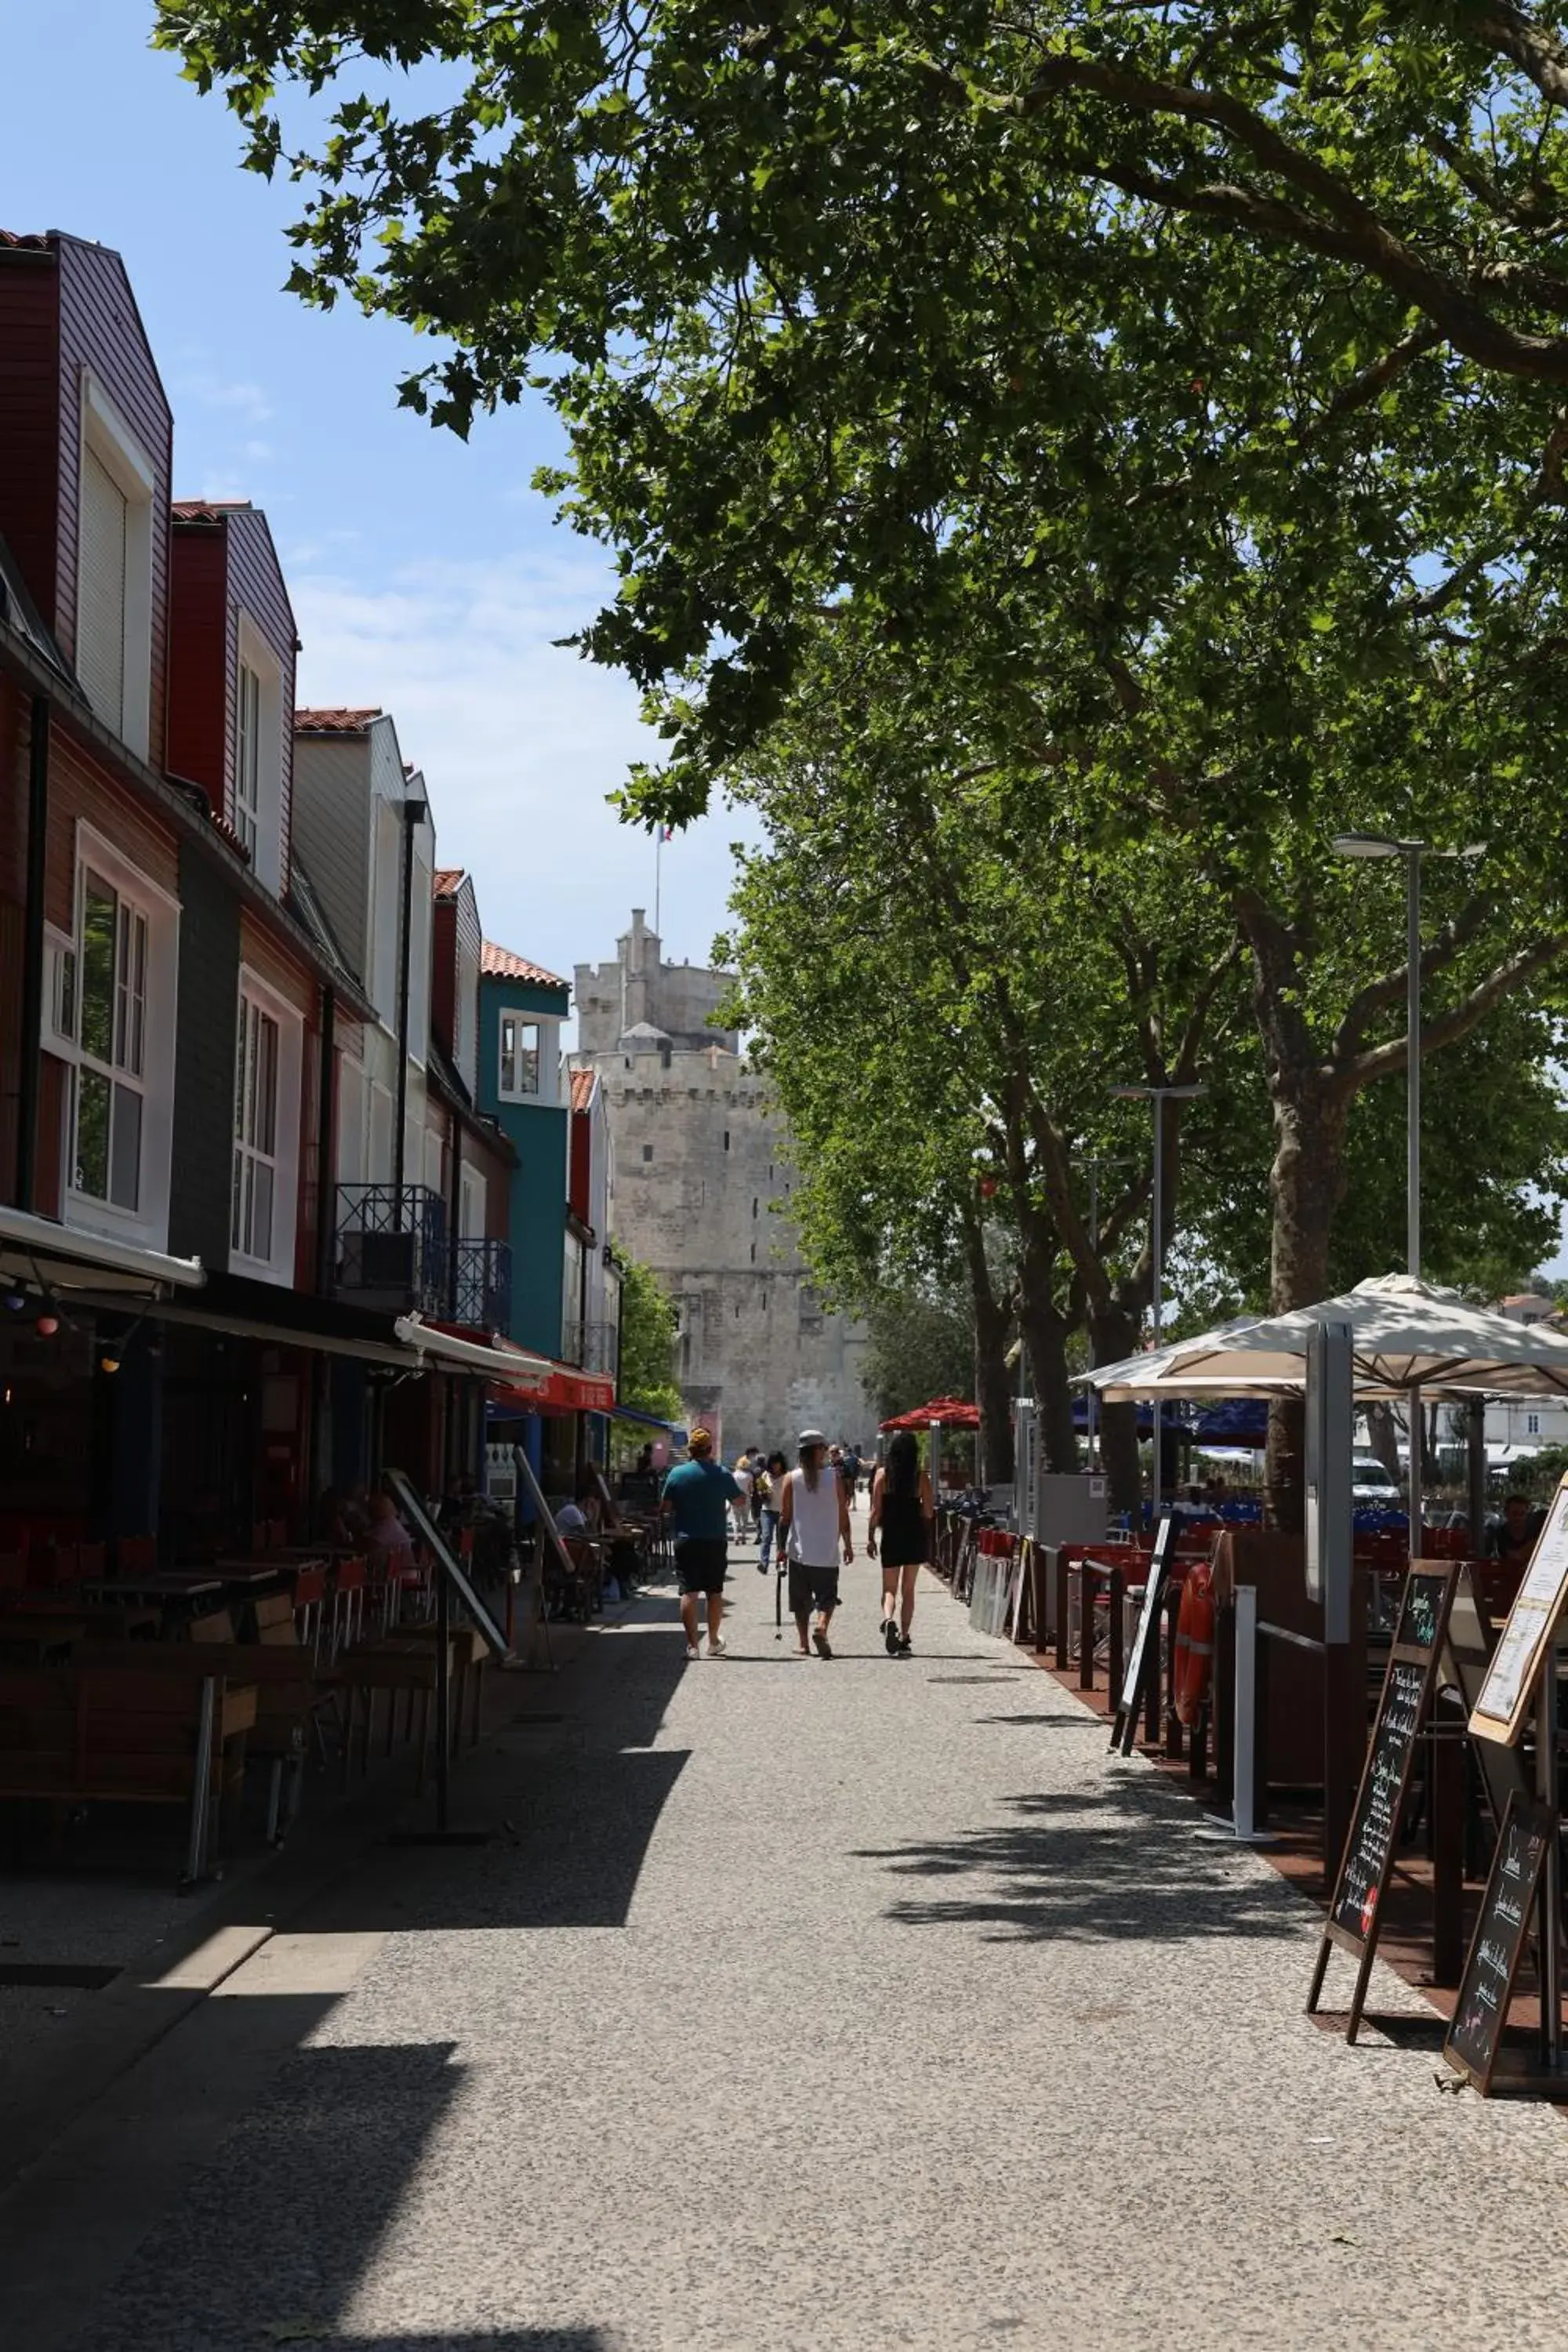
(1405, 1334)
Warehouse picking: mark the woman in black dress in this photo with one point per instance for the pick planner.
(900, 1522)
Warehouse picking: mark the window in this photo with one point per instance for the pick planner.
(106, 1153)
(114, 570)
(726, 1139)
(269, 1060)
(520, 1056)
(247, 760)
(648, 1152)
(255, 1064)
(1532, 1425)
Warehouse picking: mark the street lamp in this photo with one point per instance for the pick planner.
(1094, 1161)
(1378, 846)
(1158, 1097)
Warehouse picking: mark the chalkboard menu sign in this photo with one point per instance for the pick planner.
(1145, 1641)
(1510, 1685)
(1475, 2037)
(1368, 1860)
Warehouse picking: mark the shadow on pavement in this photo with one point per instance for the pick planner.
(1088, 1878)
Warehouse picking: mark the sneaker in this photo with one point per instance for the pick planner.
(693, 1651)
(717, 1645)
(903, 1649)
(820, 1642)
(891, 1636)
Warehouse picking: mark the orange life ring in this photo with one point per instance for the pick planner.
(1195, 1643)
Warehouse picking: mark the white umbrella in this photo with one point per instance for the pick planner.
(1405, 1334)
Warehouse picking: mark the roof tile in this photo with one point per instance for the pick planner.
(205, 509)
(333, 722)
(447, 880)
(501, 964)
(583, 1083)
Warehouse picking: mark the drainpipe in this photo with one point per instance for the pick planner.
(413, 812)
(327, 1144)
(454, 1212)
(29, 1057)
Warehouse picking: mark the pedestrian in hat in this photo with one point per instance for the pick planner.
(698, 1495)
(813, 1524)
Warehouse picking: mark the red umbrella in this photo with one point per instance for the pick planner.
(953, 1413)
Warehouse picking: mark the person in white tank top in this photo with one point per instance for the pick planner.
(814, 1525)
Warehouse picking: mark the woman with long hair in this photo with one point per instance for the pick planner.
(813, 1523)
(900, 1516)
(771, 1489)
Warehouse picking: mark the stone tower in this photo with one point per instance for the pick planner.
(699, 1194)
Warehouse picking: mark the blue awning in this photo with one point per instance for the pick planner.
(649, 1421)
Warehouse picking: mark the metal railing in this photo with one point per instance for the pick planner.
(590, 1346)
(392, 1246)
(481, 1289)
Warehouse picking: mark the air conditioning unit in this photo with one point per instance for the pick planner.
(383, 1267)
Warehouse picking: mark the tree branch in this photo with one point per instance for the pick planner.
(1379, 994)
(1516, 971)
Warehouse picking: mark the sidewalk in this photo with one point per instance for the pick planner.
(798, 2004)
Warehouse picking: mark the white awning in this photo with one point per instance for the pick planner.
(282, 1335)
(498, 1358)
(40, 1249)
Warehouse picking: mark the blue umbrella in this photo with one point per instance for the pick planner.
(1234, 1421)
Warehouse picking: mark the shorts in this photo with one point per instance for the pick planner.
(812, 1588)
(700, 1562)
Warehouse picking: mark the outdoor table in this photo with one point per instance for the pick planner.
(163, 1585)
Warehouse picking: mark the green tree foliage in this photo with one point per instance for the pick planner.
(647, 1342)
(920, 1345)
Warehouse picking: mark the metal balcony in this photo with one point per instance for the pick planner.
(392, 1250)
(482, 1284)
(590, 1346)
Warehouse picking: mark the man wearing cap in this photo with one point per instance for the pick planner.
(698, 1495)
(814, 1526)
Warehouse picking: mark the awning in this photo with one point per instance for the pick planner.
(451, 1352)
(561, 1388)
(40, 1249)
(289, 1334)
(651, 1421)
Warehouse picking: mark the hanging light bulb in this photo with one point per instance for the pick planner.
(109, 1359)
(15, 1299)
(48, 1322)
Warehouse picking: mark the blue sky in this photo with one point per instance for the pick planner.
(426, 576)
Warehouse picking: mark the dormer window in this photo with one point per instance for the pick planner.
(255, 791)
(114, 570)
(520, 1057)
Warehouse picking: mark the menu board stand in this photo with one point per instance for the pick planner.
(1145, 1657)
(1355, 1910)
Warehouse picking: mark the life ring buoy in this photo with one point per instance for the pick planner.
(1195, 1643)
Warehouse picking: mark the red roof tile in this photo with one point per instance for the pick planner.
(583, 1084)
(502, 964)
(447, 881)
(205, 509)
(333, 722)
(26, 242)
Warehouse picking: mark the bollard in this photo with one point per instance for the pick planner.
(1248, 1731)
(1085, 1625)
(1116, 1617)
(1064, 1573)
(1173, 1742)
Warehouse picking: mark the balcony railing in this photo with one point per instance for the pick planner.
(391, 1247)
(590, 1346)
(482, 1284)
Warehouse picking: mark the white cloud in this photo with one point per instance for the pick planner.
(207, 389)
(519, 742)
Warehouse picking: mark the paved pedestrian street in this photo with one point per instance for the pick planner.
(800, 2004)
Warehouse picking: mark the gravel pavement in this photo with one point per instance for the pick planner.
(812, 2005)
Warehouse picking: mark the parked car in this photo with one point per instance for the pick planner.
(1372, 1482)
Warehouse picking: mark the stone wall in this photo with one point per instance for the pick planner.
(700, 1191)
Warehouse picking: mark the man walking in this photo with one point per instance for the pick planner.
(698, 1495)
(813, 1526)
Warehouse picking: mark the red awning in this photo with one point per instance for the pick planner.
(952, 1411)
(566, 1388)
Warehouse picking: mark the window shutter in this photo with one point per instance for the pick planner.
(101, 594)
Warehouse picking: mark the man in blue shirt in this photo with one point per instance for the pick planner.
(698, 1495)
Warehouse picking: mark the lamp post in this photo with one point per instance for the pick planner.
(1373, 846)
(1094, 1161)
(1158, 1097)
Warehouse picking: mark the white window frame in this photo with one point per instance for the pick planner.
(511, 1059)
(278, 1264)
(106, 432)
(258, 815)
(155, 1082)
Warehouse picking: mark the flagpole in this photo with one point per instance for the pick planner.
(657, 878)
